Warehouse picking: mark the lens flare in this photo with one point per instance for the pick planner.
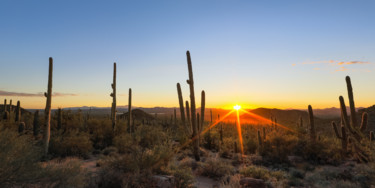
(237, 107)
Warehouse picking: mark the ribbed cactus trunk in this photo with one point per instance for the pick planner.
(59, 118)
(342, 137)
(36, 125)
(130, 127)
(312, 124)
(203, 108)
(113, 95)
(345, 119)
(364, 122)
(47, 113)
(181, 103)
(10, 106)
(353, 116)
(193, 108)
(18, 112)
(300, 122)
(188, 116)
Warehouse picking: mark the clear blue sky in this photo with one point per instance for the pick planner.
(284, 54)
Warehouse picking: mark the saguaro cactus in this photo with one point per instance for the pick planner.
(18, 112)
(113, 95)
(353, 116)
(300, 122)
(36, 123)
(371, 136)
(345, 119)
(364, 122)
(181, 102)
(59, 118)
(342, 137)
(21, 127)
(203, 108)
(312, 125)
(47, 112)
(190, 81)
(10, 106)
(131, 129)
(259, 139)
(188, 116)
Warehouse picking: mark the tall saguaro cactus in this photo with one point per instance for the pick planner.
(203, 108)
(190, 81)
(342, 137)
(353, 116)
(18, 112)
(312, 124)
(113, 95)
(47, 113)
(131, 128)
(181, 102)
(188, 115)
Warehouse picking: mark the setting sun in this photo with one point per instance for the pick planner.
(237, 107)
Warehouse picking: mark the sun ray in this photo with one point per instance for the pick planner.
(267, 120)
(239, 131)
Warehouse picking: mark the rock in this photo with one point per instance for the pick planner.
(252, 183)
(163, 181)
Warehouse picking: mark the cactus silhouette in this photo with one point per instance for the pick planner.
(130, 126)
(113, 95)
(312, 124)
(18, 112)
(190, 81)
(47, 113)
(203, 108)
(188, 116)
(364, 122)
(353, 116)
(181, 103)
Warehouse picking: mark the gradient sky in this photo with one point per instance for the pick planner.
(283, 54)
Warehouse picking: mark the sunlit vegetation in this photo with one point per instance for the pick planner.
(74, 148)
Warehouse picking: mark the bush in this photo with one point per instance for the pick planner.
(72, 143)
(216, 168)
(20, 166)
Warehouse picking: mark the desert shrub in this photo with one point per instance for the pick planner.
(134, 169)
(216, 168)
(124, 143)
(320, 152)
(329, 176)
(261, 173)
(251, 146)
(101, 132)
(20, 165)
(277, 147)
(184, 177)
(110, 151)
(72, 143)
(255, 172)
(149, 136)
(231, 181)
